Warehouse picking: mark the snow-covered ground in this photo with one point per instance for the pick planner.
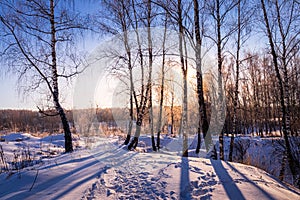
(22, 149)
(109, 171)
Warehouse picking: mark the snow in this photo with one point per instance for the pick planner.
(66, 176)
(58, 140)
(17, 137)
(107, 170)
(159, 176)
(264, 153)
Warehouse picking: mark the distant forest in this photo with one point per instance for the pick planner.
(34, 121)
(37, 122)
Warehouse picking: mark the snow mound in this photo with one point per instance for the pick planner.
(58, 139)
(17, 137)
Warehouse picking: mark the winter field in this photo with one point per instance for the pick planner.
(34, 168)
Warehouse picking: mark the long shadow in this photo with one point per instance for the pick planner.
(44, 186)
(283, 184)
(232, 191)
(74, 186)
(65, 162)
(101, 157)
(185, 188)
(93, 153)
(263, 192)
(115, 157)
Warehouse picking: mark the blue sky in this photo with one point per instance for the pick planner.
(10, 97)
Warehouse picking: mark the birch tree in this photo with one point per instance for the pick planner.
(162, 85)
(38, 42)
(116, 18)
(222, 29)
(244, 12)
(203, 124)
(281, 53)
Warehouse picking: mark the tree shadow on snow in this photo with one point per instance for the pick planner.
(185, 187)
(42, 187)
(232, 191)
(200, 188)
(262, 193)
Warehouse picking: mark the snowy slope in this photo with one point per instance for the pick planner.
(81, 175)
(158, 176)
(65, 177)
(111, 172)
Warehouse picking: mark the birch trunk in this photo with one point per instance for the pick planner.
(294, 166)
(159, 123)
(236, 89)
(220, 62)
(58, 107)
(183, 127)
(202, 121)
